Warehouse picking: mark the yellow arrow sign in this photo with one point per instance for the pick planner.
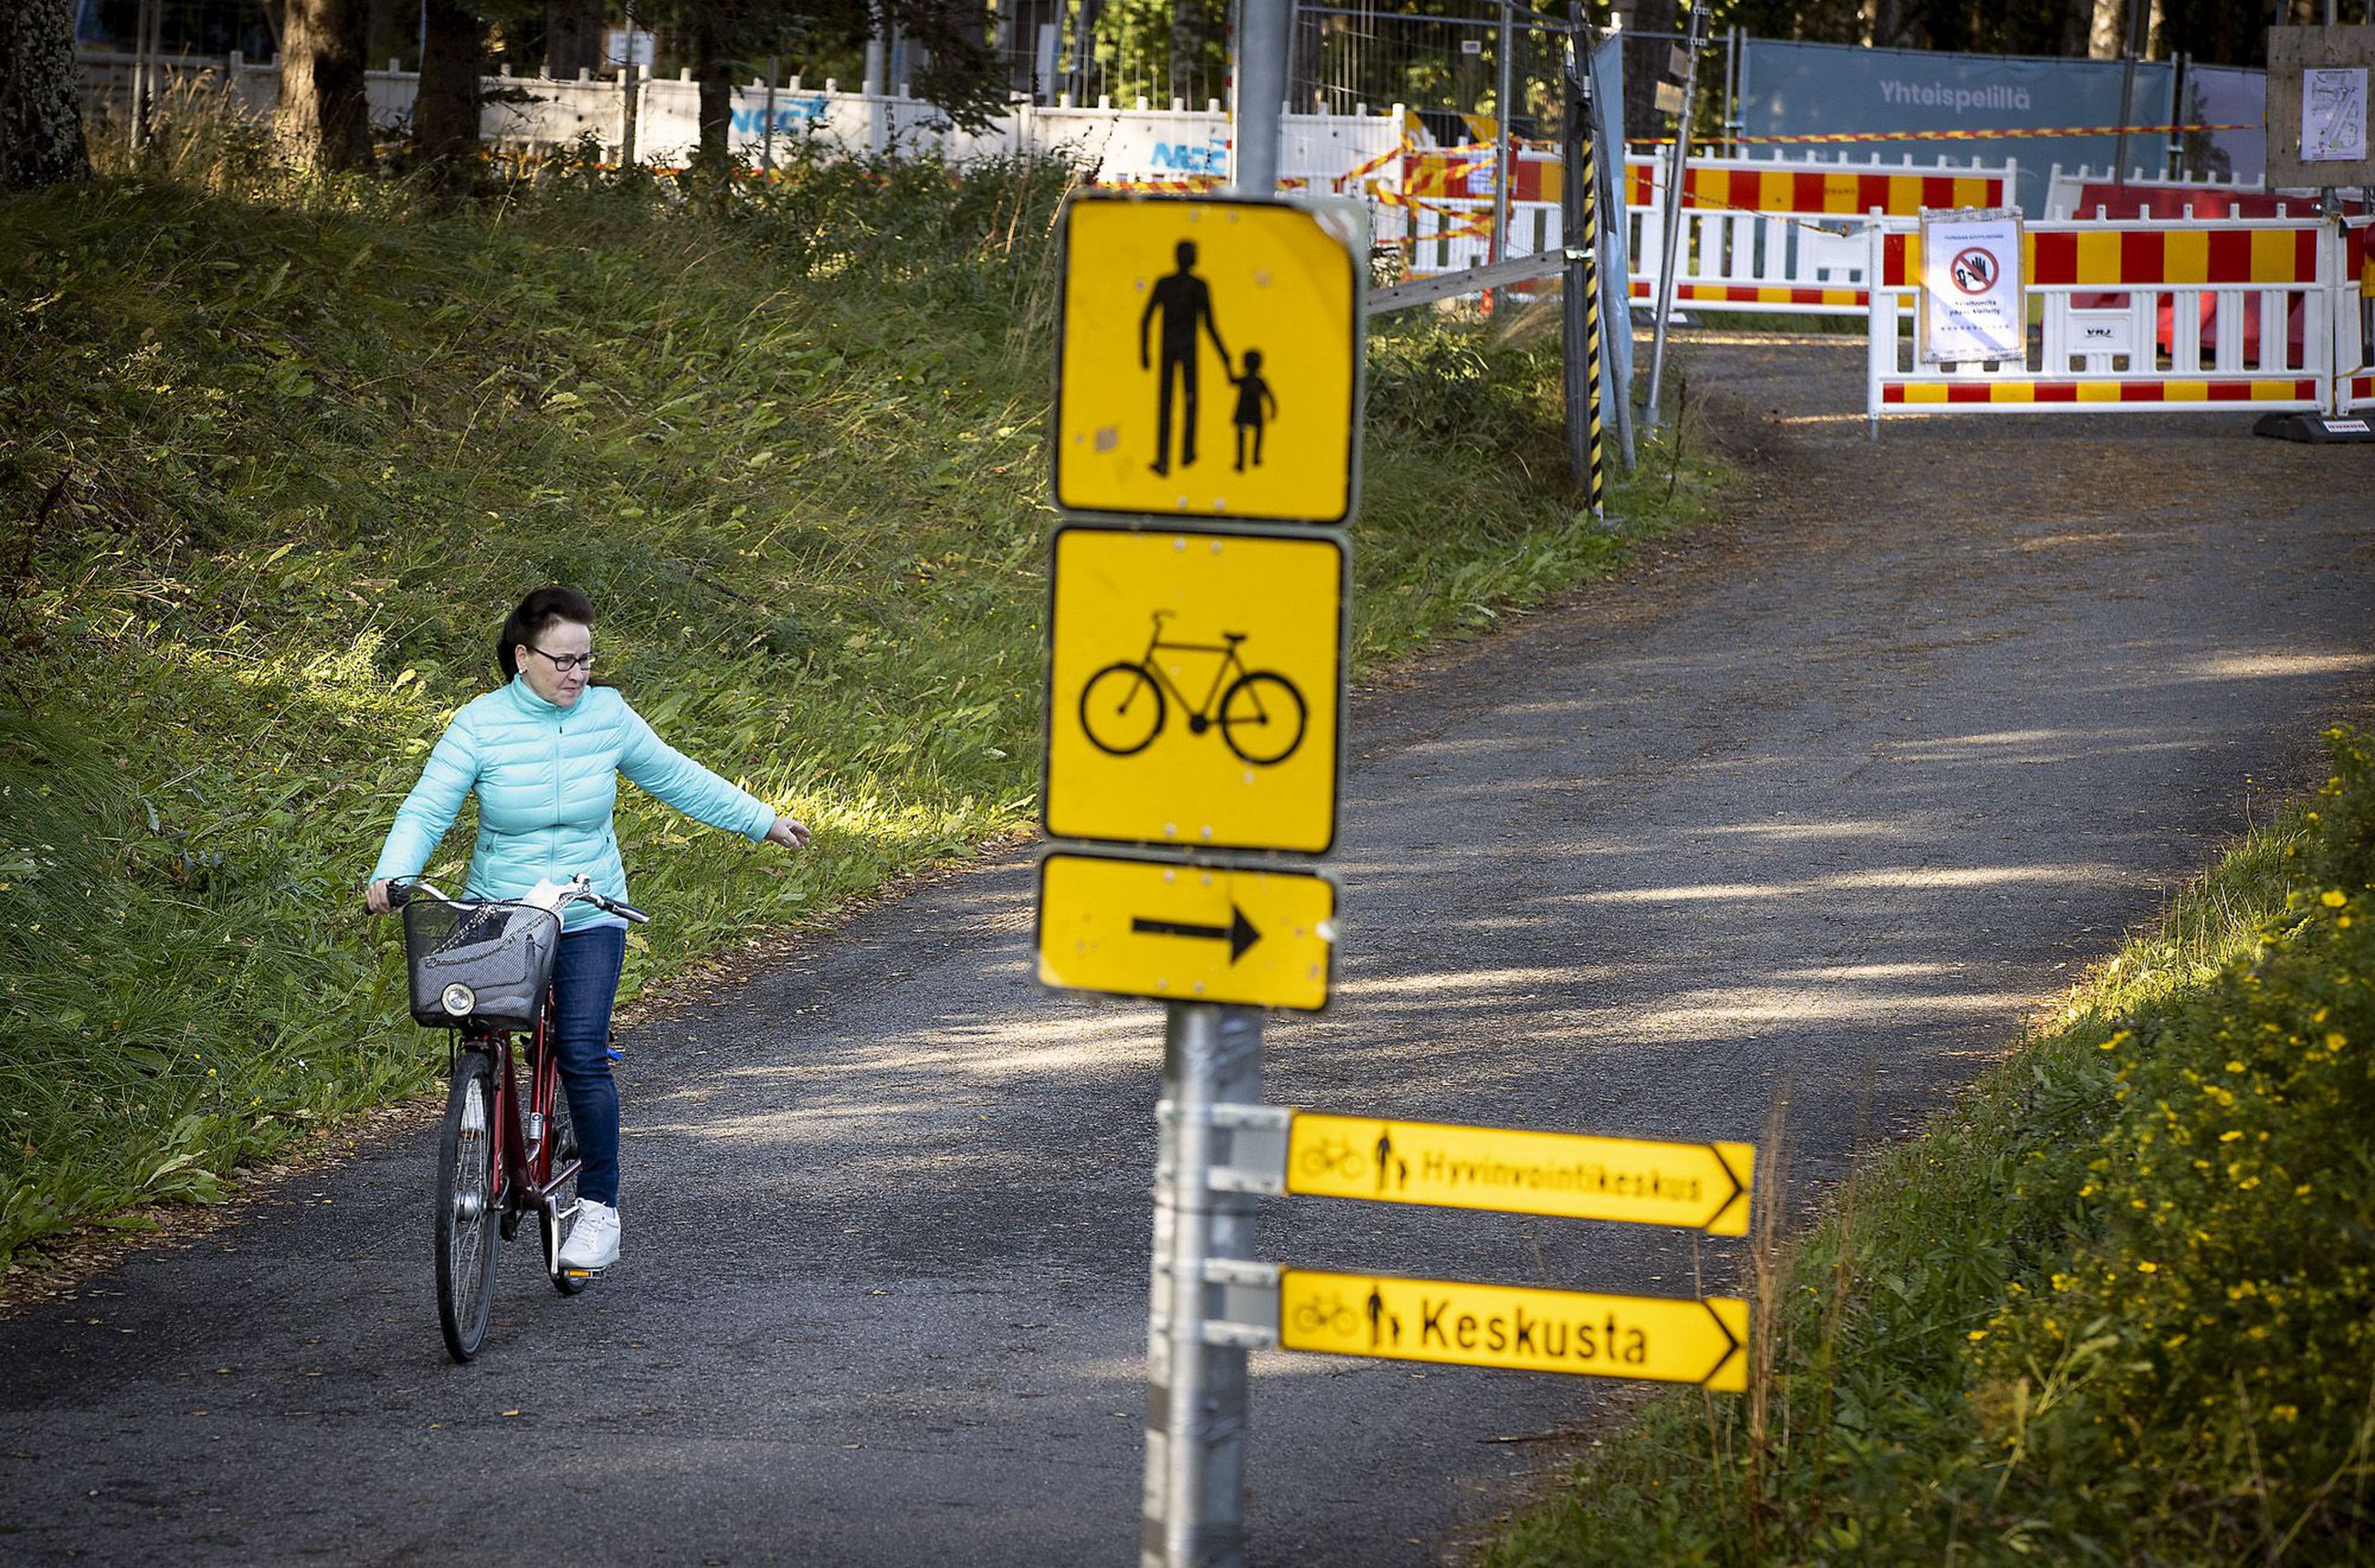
(1657, 1337)
(1703, 1185)
(1211, 357)
(1182, 933)
(1194, 683)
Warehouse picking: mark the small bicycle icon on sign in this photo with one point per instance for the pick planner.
(1260, 713)
(1328, 1312)
(1334, 1157)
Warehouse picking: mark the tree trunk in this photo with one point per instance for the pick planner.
(1645, 67)
(40, 117)
(572, 37)
(323, 121)
(445, 113)
(1187, 23)
(714, 75)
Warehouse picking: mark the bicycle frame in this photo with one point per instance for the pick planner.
(524, 1177)
(1230, 660)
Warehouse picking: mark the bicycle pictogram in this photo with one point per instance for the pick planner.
(1333, 1157)
(1260, 713)
(1326, 1311)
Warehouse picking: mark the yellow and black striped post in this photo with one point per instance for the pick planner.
(1596, 459)
(1586, 460)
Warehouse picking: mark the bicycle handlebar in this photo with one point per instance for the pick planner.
(401, 888)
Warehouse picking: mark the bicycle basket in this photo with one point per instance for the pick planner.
(479, 963)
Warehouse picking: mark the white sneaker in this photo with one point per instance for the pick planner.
(593, 1244)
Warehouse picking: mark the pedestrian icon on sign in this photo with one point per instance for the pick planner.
(1253, 394)
(1185, 302)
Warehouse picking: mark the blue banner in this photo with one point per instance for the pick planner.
(1790, 89)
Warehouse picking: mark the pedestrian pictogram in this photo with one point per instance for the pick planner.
(1704, 1187)
(1261, 714)
(1177, 932)
(1194, 688)
(1211, 357)
(1661, 1338)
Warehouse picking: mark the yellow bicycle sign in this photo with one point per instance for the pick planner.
(1194, 688)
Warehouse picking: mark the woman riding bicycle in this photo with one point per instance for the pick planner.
(543, 754)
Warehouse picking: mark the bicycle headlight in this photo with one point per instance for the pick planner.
(459, 1000)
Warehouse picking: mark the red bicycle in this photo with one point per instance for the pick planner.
(481, 968)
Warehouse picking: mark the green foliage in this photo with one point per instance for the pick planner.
(2113, 1308)
(274, 462)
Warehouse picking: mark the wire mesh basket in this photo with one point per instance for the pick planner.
(479, 963)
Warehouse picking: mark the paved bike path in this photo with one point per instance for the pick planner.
(1818, 802)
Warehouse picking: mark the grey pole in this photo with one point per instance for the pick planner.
(1676, 175)
(627, 125)
(1504, 162)
(1196, 1392)
(1260, 83)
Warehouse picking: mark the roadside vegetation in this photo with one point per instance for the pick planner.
(2117, 1306)
(276, 455)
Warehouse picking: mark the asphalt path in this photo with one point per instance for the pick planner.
(1808, 811)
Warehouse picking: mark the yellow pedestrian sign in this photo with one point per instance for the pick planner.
(1210, 361)
(1664, 1339)
(1177, 932)
(1702, 1186)
(1195, 682)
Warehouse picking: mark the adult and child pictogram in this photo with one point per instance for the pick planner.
(1181, 303)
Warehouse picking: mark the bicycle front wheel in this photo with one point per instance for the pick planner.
(1262, 717)
(1121, 709)
(466, 1205)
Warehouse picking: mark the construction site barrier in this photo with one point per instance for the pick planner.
(1773, 236)
(2232, 315)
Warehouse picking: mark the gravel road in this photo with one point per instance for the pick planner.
(1814, 806)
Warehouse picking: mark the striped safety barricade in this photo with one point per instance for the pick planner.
(1759, 234)
(1788, 237)
(2139, 315)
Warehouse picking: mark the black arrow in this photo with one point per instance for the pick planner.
(1238, 933)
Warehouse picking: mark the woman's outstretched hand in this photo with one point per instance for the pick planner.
(789, 833)
(375, 898)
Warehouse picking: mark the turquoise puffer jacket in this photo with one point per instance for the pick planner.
(547, 779)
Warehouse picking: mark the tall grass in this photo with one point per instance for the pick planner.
(275, 456)
(2113, 1307)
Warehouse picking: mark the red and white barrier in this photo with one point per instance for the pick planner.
(2141, 315)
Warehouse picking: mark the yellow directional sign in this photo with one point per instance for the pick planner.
(1211, 357)
(1194, 683)
(1703, 1185)
(1658, 1337)
(1183, 933)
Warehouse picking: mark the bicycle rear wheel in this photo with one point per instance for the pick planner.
(466, 1205)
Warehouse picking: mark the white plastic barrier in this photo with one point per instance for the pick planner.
(1787, 236)
(1140, 145)
(2138, 316)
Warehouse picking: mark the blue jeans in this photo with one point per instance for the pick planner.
(585, 983)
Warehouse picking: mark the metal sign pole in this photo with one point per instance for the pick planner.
(1676, 181)
(1504, 156)
(1196, 1392)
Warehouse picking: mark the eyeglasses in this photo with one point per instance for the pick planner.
(562, 662)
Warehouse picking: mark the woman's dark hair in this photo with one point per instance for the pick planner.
(534, 618)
